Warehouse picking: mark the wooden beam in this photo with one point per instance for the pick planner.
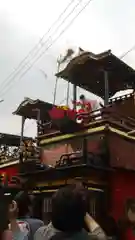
(131, 132)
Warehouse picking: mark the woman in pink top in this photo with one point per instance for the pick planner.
(7, 235)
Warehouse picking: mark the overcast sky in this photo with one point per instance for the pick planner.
(103, 25)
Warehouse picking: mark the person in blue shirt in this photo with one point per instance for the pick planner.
(22, 224)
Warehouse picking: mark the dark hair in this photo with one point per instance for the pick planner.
(82, 97)
(124, 222)
(130, 204)
(23, 202)
(68, 209)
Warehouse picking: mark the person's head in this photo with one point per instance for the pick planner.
(82, 97)
(23, 203)
(130, 210)
(68, 209)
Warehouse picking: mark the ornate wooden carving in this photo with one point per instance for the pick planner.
(28, 150)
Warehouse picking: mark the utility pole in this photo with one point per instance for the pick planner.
(61, 60)
(56, 81)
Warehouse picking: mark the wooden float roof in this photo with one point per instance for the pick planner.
(87, 71)
(10, 139)
(29, 108)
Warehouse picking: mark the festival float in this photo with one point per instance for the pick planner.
(9, 159)
(76, 145)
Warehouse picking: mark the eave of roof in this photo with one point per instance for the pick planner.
(97, 63)
(80, 59)
(10, 139)
(29, 108)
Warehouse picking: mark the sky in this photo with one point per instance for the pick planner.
(103, 25)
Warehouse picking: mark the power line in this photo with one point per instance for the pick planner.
(41, 54)
(49, 31)
(10, 78)
(58, 38)
(127, 52)
(40, 41)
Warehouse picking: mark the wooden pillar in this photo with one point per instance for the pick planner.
(21, 140)
(85, 151)
(106, 81)
(68, 89)
(22, 128)
(74, 96)
(38, 120)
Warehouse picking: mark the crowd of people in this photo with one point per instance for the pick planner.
(69, 218)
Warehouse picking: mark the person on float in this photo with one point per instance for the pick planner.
(87, 106)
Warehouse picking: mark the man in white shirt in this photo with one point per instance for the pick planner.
(90, 104)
